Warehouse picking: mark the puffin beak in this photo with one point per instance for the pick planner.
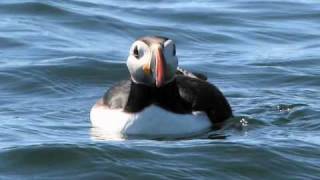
(160, 68)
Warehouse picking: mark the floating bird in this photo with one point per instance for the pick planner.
(159, 99)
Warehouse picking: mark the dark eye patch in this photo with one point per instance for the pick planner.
(174, 49)
(136, 52)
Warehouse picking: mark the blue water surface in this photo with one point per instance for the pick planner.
(58, 57)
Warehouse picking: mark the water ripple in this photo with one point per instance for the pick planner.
(58, 57)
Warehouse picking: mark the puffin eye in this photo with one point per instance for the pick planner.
(136, 52)
(174, 50)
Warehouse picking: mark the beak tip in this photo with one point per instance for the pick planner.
(158, 84)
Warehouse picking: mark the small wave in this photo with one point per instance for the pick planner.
(306, 62)
(10, 43)
(61, 76)
(52, 160)
(186, 159)
(32, 8)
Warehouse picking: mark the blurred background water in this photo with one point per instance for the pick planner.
(57, 57)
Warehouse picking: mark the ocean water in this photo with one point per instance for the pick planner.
(57, 57)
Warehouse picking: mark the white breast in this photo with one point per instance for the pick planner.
(153, 122)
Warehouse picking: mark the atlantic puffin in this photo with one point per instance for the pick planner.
(159, 99)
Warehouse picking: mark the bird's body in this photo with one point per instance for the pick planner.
(163, 104)
(152, 122)
(185, 107)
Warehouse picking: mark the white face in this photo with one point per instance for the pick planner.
(144, 59)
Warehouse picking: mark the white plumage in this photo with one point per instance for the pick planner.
(153, 122)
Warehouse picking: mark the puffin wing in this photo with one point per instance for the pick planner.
(196, 75)
(117, 96)
(203, 96)
(127, 96)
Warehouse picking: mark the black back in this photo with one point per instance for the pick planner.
(183, 95)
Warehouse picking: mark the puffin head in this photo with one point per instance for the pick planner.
(152, 61)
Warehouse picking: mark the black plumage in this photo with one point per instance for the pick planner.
(183, 95)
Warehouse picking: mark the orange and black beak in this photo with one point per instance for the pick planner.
(160, 68)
